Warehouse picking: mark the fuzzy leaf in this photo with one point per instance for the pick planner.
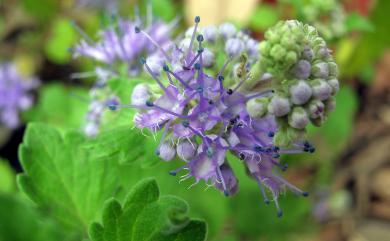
(145, 216)
(60, 176)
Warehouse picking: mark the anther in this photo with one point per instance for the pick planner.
(197, 19)
(305, 194)
(220, 78)
(271, 134)
(165, 67)
(185, 124)
(229, 91)
(112, 107)
(137, 30)
(149, 103)
(199, 38)
(241, 156)
(142, 60)
(197, 66)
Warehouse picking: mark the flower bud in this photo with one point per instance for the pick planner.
(300, 93)
(302, 69)
(208, 58)
(330, 104)
(298, 118)
(166, 151)
(185, 150)
(234, 47)
(279, 106)
(307, 53)
(257, 108)
(334, 83)
(227, 30)
(252, 47)
(278, 52)
(321, 89)
(141, 94)
(333, 69)
(320, 70)
(316, 109)
(210, 33)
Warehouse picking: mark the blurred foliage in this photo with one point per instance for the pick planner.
(7, 177)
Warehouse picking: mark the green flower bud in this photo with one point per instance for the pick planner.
(279, 106)
(257, 108)
(298, 118)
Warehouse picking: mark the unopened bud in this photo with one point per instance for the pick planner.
(166, 151)
(321, 89)
(234, 47)
(227, 30)
(298, 118)
(320, 70)
(186, 150)
(279, 106)
(141, 94)
(302, 69)
(300, 93)
(257, 108)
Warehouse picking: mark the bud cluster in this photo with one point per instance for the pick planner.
(304, 78)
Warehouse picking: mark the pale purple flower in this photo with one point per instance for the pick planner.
(15, 95)
(206, 119)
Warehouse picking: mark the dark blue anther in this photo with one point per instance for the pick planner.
(229, 91)
(165, 67)
(220, 78)
(275, 155)
(197, 19)
(284, 167)
(280, 213)
(112, 106)
(306, 144)
(242, 156)
(210, 152)
(197, 66)
(172, 173)
(305, 194)
(199, 89)
(157, 152)
(149, 103)
(275, 148)
(271, 134)
(226, 192)
(200, 50)
(259, 149)
(137, 29)
(312, 149)
(199, 38)
(185, 124)
(142, 60)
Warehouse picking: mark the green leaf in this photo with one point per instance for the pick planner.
(7, 177)
(372, 44)
(60, 177)
(264, 17)
(357, 22)
(145, 216)
(20, 222)
(62, 37)
(59, 106)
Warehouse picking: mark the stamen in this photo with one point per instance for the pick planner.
(153, 75)
(138, 30)
(291, 187)
(174, 172)
(219, 173)
(179, 79)
(197, 20)
(82, 33)
(266, 92)
(265, 198)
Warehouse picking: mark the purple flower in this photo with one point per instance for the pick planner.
(206, 119)
(120, 43)
(14, 94)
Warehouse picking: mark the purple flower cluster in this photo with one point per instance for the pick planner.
(119, 43)
(202, 119)
(14, 94)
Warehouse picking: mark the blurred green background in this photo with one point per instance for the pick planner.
(348, 177)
